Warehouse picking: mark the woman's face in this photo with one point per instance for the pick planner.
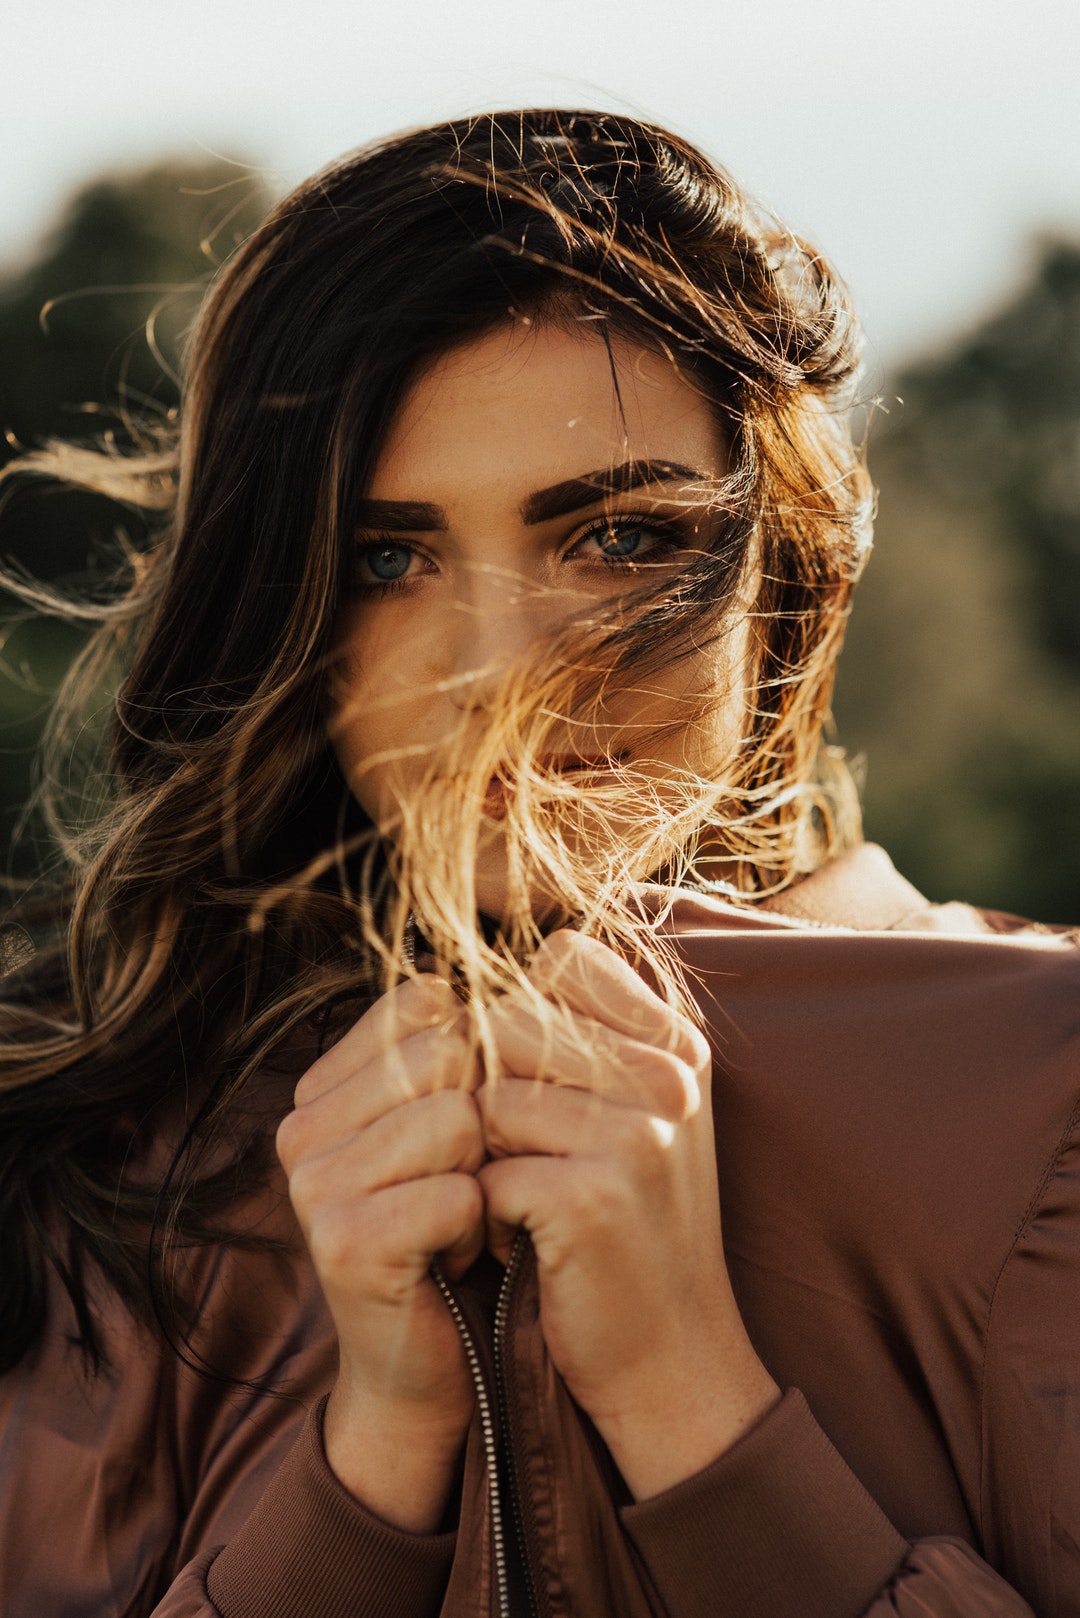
(529, 474)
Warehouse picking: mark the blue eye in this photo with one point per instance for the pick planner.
(387, 562)
(625, 541)
(620, 542)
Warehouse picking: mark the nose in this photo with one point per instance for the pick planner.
(500, 619)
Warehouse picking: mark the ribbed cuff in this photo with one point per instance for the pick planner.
(777, 1525)
(310, 1550)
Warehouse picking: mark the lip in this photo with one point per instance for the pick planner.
(569, 763)
(494, 805)
(563, 764)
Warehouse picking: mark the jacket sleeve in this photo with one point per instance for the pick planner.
(269, 1532)
(309, 1550)
(780, 1524)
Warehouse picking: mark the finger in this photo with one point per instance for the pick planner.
(425, 1064)
(522, 1192)
(390, 1241)
(437, 1134)
(540, 1042)
(423, 1003)
(590, 978)
(462, 1254)
(523, 1118)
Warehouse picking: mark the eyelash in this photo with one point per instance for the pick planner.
(667, 532)
(383, 587)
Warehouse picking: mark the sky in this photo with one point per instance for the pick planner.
(924, 145)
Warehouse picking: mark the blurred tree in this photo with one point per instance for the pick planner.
(90, 337)
(961, 678)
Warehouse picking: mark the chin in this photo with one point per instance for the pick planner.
(547, 911)
(492, 888)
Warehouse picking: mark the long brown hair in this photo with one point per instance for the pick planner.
(217, 884)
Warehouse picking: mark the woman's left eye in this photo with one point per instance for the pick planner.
(622, 541)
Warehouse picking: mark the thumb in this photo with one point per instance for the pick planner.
(464, 1251)
(507, 1184)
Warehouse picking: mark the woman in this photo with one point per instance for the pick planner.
(465, 772)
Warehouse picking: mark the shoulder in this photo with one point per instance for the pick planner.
(854, 962)
(862, 896)
(923, 1058)
(862, 891)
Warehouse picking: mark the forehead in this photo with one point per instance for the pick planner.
(523, 406)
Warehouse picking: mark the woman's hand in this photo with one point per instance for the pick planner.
(381, 1154)
(610, 1163)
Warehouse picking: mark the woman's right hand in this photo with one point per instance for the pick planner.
(381, 1154)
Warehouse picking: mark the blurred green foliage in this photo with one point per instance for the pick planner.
(90, 339)
(961, 679)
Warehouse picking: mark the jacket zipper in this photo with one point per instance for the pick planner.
(502, 1315)
(491, 1459)
(487, 1425)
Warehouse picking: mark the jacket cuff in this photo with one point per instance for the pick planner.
(778, 1524)
(311, 1550)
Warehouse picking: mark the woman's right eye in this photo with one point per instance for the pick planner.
(383, 565)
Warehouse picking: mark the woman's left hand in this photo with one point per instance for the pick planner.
(609, 1162)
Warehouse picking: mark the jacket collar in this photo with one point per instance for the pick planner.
(861, 889)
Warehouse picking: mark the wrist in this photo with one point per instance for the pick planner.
(397, 1457)
(667, 1424)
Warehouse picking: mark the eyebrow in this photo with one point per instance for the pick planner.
(420, 516)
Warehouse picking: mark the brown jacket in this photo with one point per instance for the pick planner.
(897, 1102)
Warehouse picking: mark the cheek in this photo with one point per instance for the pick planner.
(698, 708)
(374, 711)
(732, 676)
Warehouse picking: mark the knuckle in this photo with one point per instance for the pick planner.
(559, 945)
(491, 1101)
(338, 1249)
(465, 1200)
(313, 1079)
(415, 1065)
(556, 953)
(445, 1058)
(306, 1188)
(459, 1120)
(503, 1011)
(673, 1085)
(693, 1046)
(522, 1010)
(504, 1112)
(289, 1141)
(428, 996)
